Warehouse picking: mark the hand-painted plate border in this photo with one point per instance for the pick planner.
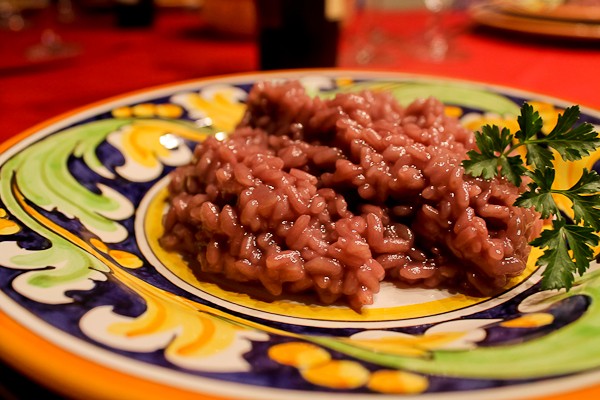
(88, 309)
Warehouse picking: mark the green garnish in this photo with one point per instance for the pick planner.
(568, 245)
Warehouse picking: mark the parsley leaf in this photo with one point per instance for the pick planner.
(585, 196)
(540, 193)
(512, 169)
(556, 258)
(568, 249)
(568, 245)
(586, 210)
(530, 123)
(491, 158)
(589, 183)
(481, 165)
(572, 143)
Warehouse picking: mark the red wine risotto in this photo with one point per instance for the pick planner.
(334, 196)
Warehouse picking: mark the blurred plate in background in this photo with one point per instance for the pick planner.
(503, 17)
(585, 11)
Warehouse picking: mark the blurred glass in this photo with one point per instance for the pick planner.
(368, 41)
(366, 36)
(51, 45)
(386, 33)
(298, 34)
(436, 43)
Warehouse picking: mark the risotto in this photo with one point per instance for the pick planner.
(334, 196)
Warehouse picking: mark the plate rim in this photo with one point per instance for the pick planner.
(488, 15)
(16, 335)
(561, 12)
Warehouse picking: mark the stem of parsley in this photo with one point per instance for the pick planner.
(569, 244)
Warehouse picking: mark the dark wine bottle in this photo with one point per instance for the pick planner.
(296, 34)
(134, 13)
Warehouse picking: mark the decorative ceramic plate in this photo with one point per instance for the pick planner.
(491, 15)
(93, 307)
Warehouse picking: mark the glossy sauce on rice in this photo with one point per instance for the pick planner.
(333, 196)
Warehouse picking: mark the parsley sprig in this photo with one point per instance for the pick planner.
(569, 244)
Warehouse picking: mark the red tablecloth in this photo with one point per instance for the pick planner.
(111, 61)
(180, 46)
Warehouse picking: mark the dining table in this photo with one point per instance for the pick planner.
(104, 60)
(180, 45)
